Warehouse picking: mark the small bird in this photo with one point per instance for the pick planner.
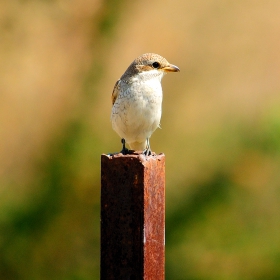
(137, 101)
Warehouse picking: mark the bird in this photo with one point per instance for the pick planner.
(137, 101)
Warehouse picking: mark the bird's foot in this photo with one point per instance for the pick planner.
(124, 150)
(147, 152)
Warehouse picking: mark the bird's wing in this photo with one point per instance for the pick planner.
(116, 91)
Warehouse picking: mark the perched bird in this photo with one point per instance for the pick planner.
(137, 100)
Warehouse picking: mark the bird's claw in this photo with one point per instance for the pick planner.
(147, 152)
(125, 151)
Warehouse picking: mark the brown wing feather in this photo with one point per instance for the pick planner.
(115, 92)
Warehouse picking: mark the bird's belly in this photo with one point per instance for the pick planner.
(144, 116)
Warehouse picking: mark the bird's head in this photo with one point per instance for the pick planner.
(149, 63)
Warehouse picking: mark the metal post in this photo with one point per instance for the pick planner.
(132, 216)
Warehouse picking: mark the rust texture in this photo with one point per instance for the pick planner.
(132, 216)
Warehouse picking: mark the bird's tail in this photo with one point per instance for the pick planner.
(138, 146)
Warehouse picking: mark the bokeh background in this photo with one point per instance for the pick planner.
(59, 60)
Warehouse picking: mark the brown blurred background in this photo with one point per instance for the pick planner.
(220, 132)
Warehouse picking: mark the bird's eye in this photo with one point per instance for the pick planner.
(156, 65)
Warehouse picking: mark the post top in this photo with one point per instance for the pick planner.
(135, 155)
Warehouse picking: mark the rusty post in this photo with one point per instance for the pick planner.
(132, 216)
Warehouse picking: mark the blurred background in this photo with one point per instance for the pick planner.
(59, 60)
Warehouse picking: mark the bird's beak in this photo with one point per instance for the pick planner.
(171, 68)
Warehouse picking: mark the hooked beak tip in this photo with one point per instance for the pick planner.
(171, 68)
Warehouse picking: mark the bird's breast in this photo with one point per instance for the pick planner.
(145, 104)
(137, 110)
(149, 90)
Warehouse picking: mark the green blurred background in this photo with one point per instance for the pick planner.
(59, 60)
